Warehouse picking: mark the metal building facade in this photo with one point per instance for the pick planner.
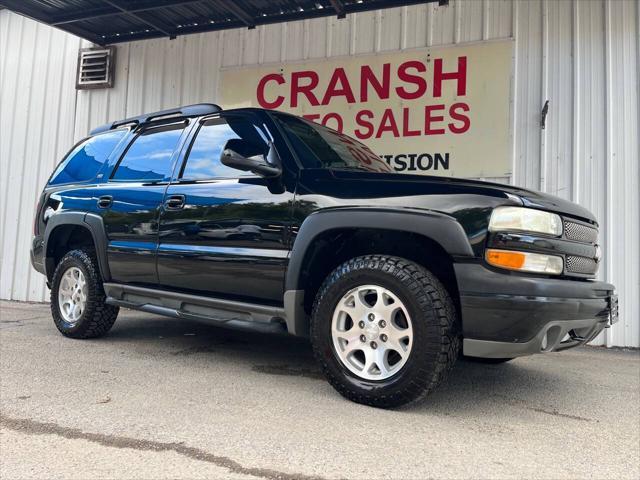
(581, 55)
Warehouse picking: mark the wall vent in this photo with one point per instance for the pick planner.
(95, 68)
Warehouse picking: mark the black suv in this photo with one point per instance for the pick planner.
(259, 219)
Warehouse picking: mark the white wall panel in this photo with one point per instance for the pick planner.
(339, 35)
(388, 29)
(497, 19)
(557, 156)
(37, 115)
(527, 97)
(442, 24)
(414, 27)
(583, 56)
(316, 40)
(294, 41)
(364, 32)
(622, 141)
(469, 24)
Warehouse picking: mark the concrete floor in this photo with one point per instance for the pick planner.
(163, 398)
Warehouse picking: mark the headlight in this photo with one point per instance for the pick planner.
(525, 261)
(525, 220)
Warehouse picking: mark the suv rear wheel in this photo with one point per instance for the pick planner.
(77, 297)
(384, 330)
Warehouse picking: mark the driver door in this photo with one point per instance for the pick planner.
(223, 232)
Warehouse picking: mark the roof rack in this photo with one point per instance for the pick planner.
(179, 112)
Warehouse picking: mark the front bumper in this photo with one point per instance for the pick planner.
(506, 314)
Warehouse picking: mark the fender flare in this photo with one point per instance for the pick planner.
(91, 222)
(441, 228)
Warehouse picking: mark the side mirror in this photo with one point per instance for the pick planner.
(237, 154)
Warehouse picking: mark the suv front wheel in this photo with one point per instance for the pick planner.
(77, 297)
(384, 330)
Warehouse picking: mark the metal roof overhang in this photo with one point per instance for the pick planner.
(116, 21)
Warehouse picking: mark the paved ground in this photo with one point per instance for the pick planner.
(158, 398)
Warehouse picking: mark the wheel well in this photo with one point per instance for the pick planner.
(334, 247)
(65, 238)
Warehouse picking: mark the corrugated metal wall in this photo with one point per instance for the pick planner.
(582, 55)
(37, 117)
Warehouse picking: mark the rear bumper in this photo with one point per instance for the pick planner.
(506, 315)
(37, 254)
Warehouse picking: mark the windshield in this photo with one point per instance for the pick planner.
(320, 147)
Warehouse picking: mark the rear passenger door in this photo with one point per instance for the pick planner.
(129, 202)
(224, 231)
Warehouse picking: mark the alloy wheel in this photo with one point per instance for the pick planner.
(372, 332)
(72, 295)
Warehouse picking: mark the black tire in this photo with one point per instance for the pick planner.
(436, 341)
(97, 317)
(488, 361)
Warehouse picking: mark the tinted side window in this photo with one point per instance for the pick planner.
(148, 158)
(203, 161)
(86, 159)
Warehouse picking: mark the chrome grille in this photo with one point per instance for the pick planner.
(581, 265)
(580, 232)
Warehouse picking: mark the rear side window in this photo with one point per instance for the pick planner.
(148, 158)
(86, 159)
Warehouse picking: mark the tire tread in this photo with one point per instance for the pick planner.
(436, 306)
(101, 316)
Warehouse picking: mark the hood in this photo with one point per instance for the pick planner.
(433, 184)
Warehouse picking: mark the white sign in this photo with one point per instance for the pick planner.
(434, 111)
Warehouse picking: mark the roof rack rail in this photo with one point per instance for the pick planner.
(179, 112)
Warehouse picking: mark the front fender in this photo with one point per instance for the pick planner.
(442, 229)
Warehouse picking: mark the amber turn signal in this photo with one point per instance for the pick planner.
(525, 261)
(505, 259)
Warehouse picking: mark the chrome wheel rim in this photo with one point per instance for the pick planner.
(372, 332)
(72, 295)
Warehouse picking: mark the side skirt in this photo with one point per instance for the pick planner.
(216, 311)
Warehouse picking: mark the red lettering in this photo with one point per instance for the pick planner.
(405, 125)
(263, 102)
(339, 77)
(429, 119)
(367, 77)
(453, 113)
(306, 90)
(365, 123)
(388, 124)
(460, 76)
(417, 80)
(336, 117)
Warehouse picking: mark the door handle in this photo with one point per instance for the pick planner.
(174, 202)
(105, 201)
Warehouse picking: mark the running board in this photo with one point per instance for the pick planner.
(217, 311)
